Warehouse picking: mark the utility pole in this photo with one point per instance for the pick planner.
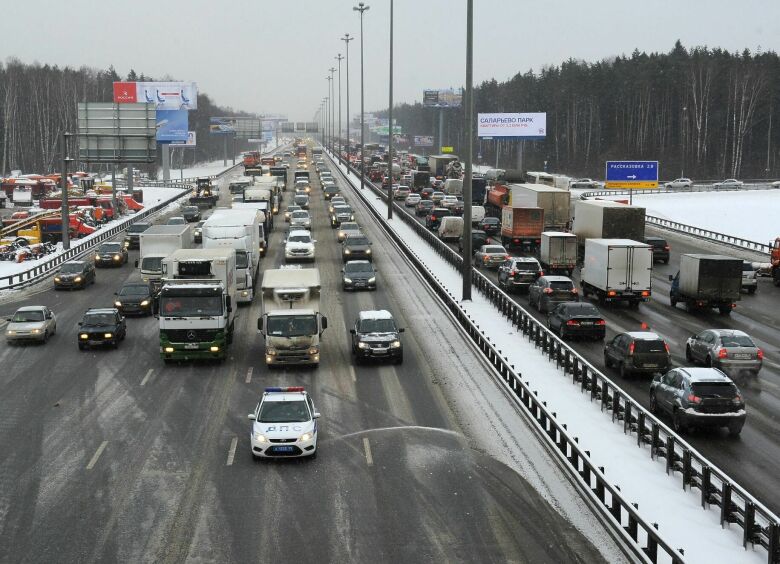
(467, 256)
(339, 58)
(346, 39)
(390, 126)
(362, 8)
(64, 210)
(332, 71)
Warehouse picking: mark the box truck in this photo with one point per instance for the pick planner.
(555, 202)
(155, 244)
(558, 252)
(707, 282)
(522, 227)
(617, 270)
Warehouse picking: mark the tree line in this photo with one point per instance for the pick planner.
(701, 112)
(38, 102)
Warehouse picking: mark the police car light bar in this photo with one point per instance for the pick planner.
(288, 389)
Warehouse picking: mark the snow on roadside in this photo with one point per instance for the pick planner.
(681, 520)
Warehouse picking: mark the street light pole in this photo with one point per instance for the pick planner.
(467, 256)
(346, 39)
(361, 7)
(327, 132)
(339, 58)
(390, 126)
(332, 71)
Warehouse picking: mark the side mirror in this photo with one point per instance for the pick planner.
(352, 331)
(251, 416)
(324, 322)
(259, 323)
(316, 415)
(401, 330)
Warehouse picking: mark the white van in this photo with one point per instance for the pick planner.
(450, 228)
(477, 214)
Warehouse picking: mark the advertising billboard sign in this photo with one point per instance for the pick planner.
(447, 98)
(525, 126)
(172, 126)
(190, 142)
(423, 140)
(287, 127)
(164, 95)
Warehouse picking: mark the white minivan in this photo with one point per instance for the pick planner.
(450, 228)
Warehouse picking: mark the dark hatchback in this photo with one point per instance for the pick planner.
(358, 275)
(356, 247)
(375, 336)
(433, 219)
(134, 298)
(637, 352)
(75, 274)
(660, 249)
(423, 207)
(191, 213)
(478, 238)
(490, 225)
(577, 319)
(111, 254)
(101, 327)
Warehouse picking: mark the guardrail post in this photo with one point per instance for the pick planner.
(670, 454)
(773, 546)
(640, 425)
(752, 530)
(652, 546)
(725, 504)
(653, 440)
(686, 469)
(632, 526)
(627, 417)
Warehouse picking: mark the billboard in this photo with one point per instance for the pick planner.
(287, 127)
(172, 126)
(117, 133)
(423, 140)
(241, 127)
(164, 95)
(448, 98)
(526, 126)
(222, 126)
(190, 142)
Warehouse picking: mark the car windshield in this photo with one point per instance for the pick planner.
(736, 341)
(347, 226)
(134, 290)
(649, 346)
(293, 208)
(109, 248)
(292, 325)
(176, 221)
(72, 268)
(27, 316)
(189, 209)
(283, 412)
(377, 326)
(561, 284)
(191, 306)
(300, 198)
(95, 319)
(299, 239)
(357, 241)
(343, 209)
(300, 214)
(494, 250)
(351, 267)
(714, 389)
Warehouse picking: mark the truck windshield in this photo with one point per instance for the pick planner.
(151, 264)
(242, 259)
(292, 325)
(191, 306)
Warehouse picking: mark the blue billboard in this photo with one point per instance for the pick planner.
(172, 125)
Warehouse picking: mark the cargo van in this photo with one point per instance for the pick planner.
(450, 228)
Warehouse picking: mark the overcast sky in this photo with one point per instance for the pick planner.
(272, 55)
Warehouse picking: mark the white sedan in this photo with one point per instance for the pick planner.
(412, 200)
(31, 323)
(284, 424)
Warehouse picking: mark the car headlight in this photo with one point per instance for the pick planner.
(118, 304)
(270, 352)
(108, 335)
(260, 438)
(347, 252)
(363, 345)
(306, 437)
(144, 303)
(10, 332)
(395, 344)
(35, 331)
(57, 279)
(117, 257)
(372, 280)
(84, 336)
(127, 243)
(368, 251)
(169, 349)
(77, 279)
(352, 218)
(97, 257)
(348, 280)
(314, 350)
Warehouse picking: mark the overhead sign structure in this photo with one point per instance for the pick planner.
(522, 126)
(241, 127)
(190, 142)
(447, 98)
(447, 150)
(384, 130)
(172, 125)
(312, 127)
(164, 95)
(423, 140)
(287, 127)
(117, 133)
(631, 174)
(300, 126)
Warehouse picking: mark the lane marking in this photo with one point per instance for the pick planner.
(232, 451)
(249, 374)
(367, 448)
(97, 454)
(148, 375)
(352, 373)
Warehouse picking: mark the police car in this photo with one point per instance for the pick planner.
(284, 424)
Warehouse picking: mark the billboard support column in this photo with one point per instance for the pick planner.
(166, 161)
(520, 147)
(234, 149)
(441, 127)
(498, 146)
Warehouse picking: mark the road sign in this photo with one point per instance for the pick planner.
(117, 133)
(631, 174)
(447, 149)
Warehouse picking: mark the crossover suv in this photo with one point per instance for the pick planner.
(548, 291)
(490, 256)
(518, 273)
(134, 298)
(356, 247)
(341, 213)
(111, 254)
(698, 397)
(75, 274)
(730, 350)
(358, 275)
(577, 319)
(434, 216)
(101, 327)
(299, 246)
(749, 279)
(637, 352)
(347, 228)
(300, 219)
(375, 336)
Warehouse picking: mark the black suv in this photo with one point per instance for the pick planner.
(100, 327)
(637, 352)
(376, 336)
(75, 274)
(356, 247)
(331, 191)
(577, 319)
(111, 254)
(660, 249)
(703, 397)
(134, 298)
(518, 273)
(358, 274)
(133, 234)
(433, 219)
(478, 238)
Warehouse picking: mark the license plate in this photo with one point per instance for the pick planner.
(650, 365)
(379, 351)
(283, 449)
(586, 323)
(742, 356)
(191, 346)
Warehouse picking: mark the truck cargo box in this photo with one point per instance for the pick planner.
(555, 202)
(617, 270)
(522, 226)
(558, 251)
(710, 277)
(605, 219)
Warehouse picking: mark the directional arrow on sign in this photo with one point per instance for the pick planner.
(632, 177)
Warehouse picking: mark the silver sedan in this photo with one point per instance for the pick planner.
(31, 323)
(490, 256)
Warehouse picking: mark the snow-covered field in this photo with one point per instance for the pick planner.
(680, 517)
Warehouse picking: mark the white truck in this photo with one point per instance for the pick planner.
(558, 252)
(291, 323)
(196, 314)
(617, 270)
(237, 229)
(155, 244)
(263, 199)
(453, 187)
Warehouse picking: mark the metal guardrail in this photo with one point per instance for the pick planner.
(83, 247)
(714, 236)
(759, 525)
(664, 190)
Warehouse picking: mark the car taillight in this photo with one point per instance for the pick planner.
(631, 348)
(612, 293)
(666, 346)
(572, 322)
(723, 353)
(541, 273)
(760, 354)
(507, 257)
(693, 398)
(548, 291)
(512, 272)
(737, 399)
(667, 247)
(601, 322)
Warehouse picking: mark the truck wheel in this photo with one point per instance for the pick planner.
(725, 310)
(735, 429)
